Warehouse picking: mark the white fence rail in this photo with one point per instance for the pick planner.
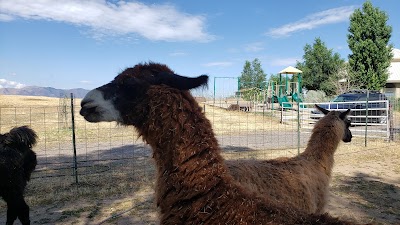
(367, 118)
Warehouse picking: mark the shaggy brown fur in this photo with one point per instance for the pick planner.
(302, 180)
(193, 184)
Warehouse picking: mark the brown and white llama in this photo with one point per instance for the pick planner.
(193, 183)
(302, 180)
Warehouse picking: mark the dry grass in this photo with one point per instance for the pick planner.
(32, 101)
(233, 122)
(51, 119)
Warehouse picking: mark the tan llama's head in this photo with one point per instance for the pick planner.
(337, 119)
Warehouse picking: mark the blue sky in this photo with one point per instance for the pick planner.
(73, 43)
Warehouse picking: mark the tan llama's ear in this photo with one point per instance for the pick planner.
(344, 114)
(324, 111)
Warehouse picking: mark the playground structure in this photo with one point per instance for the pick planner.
(285, 88)
(284, 91)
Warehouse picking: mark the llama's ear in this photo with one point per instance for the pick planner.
(324, 111)
(181, 82)
(344, 114)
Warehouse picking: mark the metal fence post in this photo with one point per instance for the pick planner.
(366, 119)
(389, 114)
(73, 139)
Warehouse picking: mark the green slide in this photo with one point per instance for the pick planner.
(296, 98)
(284, 102)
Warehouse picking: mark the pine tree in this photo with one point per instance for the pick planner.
(368, 40)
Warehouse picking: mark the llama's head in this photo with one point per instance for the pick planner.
(125, 99)
(337, 119)
(21, 138)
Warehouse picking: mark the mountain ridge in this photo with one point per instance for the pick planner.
(44, 91)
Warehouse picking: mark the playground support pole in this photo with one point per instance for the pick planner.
(287, 85)
(272, 95)
(280, 86)
(299, 79)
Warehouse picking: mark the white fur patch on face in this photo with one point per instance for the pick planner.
(96, 109)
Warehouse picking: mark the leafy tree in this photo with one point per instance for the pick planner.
(246, 79)
(259, 75)
(252, 79)
(319, 67)
(343, 82)
(368, 40)
(274, 78)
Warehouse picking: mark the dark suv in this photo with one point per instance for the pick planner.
(356, 101)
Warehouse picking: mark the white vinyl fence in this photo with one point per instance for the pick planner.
(370, 119)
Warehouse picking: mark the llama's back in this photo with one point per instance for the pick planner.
(229, 203)
(287, 181)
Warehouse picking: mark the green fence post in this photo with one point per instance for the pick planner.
(73, 139)
(298, 117)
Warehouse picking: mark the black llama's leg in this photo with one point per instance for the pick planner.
(23, 211)
(12, 211)
(17, 207)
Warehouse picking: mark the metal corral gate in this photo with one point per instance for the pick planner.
(376, 123)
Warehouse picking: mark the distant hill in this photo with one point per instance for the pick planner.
(44, 91)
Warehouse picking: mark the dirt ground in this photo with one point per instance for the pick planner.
(365, 188)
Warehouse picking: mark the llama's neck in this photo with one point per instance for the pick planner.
(184, 147)
(322, 145)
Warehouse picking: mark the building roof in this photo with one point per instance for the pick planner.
(394, 68)
(396, 53)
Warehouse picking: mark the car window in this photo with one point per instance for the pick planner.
(373, 97)
(363, 98)
(345, 98)
(359, 97)
(381, 97)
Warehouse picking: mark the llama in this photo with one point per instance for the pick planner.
(302, 180)
(17, 162)
(193, 185)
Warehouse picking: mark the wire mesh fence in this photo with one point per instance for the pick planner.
(112, 160)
